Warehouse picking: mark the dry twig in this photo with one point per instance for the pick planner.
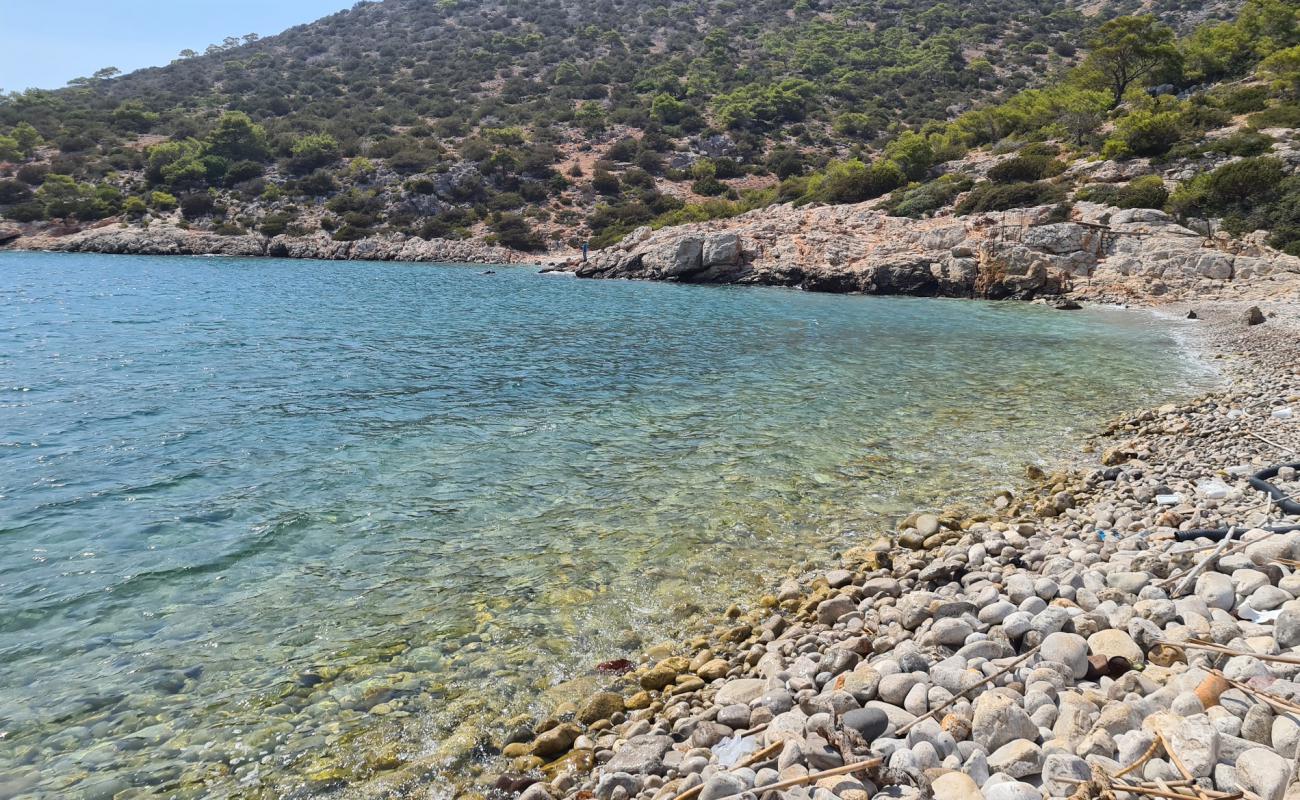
(752, 759)
(905, 728)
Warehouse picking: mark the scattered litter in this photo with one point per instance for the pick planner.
(1171, 499)
(1236, 413)
(619, 666)
(1240, 470)
(1251, 615)
(1214, 489)
(1282, 413)
(731, 751)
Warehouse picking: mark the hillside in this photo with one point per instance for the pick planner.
(535, 125)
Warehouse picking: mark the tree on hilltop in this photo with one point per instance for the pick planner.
(1127, 50)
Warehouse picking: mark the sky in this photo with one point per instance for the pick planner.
(46, 43)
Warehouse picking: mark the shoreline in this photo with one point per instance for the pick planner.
(656, 747)
(1223, 322)
(1100, 253)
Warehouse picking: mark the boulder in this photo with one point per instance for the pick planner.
(741, 691)
(601, 705)
(999, 719)
(1069, 649)
(675, 259)
(721, 250)
(641, 755)
(1059, 768)
(1263, 772)
(1018, 758)
(555, 741)
(1112, 642)
(955, 786)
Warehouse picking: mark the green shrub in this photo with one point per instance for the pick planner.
(134, 207)
(605, 182)
(1147, 191)
(513, 231)
(709, 186)
(1249, 194)
(197, 205)
(1242, 143)
(32, 174)
(163, 201)
(989, 196)
(1244, 99)
(1283, 115)
(1148, 134)
(317, 184)
(1025, 168)
(853, 181)
(312, 152)
(14, 192)
(350, 233)
(917, 201)
(27, 212)
(275, 223)
(242, 171)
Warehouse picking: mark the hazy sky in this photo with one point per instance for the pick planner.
(46, 43)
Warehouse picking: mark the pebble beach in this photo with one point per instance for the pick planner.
(1074, 639)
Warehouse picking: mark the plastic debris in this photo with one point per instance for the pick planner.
(1171, 499)
(1251, 615)
(731, 751)
(1282, 413)
(1214, 489)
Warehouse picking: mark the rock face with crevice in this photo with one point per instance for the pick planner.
(1013, 254)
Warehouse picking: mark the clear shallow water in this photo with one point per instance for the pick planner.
(267, 524)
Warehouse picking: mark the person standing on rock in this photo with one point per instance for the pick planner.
(585, 246)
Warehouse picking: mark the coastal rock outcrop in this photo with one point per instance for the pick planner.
(171, 240)
(1012, 254)
(1100, 251)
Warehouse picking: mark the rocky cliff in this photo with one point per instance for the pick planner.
(170, 240)
(1015, 254)
(1099, 251)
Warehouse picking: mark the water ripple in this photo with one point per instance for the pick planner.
(218, 476)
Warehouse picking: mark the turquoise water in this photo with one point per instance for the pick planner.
(275, 525)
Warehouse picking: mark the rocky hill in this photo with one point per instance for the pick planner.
(536, 125)
(701, 148)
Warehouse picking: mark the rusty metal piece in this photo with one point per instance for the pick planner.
(1103, 667)
(1210, 689)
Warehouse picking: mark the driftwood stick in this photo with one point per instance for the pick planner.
(1196, 644)
(1160, 784)
(1178, 762)
(905, 728)
(754, 730)
(1236, 547)
(1132, 789)
(1142, 759)
(812, 777)
(1281, 447)
(1279, 703)
(753, 758)
(1191, 576)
